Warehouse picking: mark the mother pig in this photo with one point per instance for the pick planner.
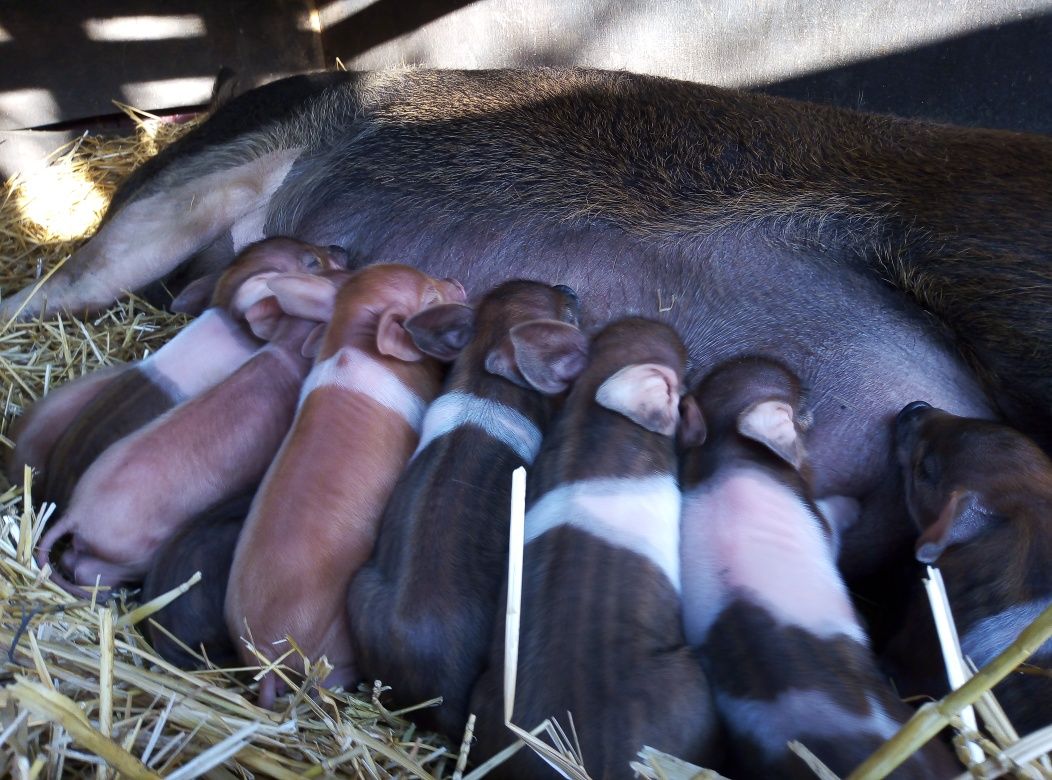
(750, 223)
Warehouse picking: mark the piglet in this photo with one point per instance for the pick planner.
(195, 619)
(422, 609)
(145, 487)
(314, 519)
(981, 496)
(66, 431)
(780, 642)
(601, 632)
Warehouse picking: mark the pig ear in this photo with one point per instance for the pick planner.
(963, 518)
(692, 429)
(304, 295)
(263, 316)
(501, 361)
(771, 424)
(548, 354)
(645, 393)
(196, 296)
(442, 331)
(312, 344)
(393, 340)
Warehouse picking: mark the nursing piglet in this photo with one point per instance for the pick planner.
(314, 519)
(601, 632)
(69, 428)
(422, 609)
(206, 544)
(981, 496)
(784, 651)
(148, 485)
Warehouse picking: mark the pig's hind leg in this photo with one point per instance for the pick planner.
(151, 234)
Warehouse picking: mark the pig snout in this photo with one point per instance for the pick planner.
(907, 427)
(910, 416)
(338, 256)
(911, 410)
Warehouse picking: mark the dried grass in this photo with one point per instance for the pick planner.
(83, 694)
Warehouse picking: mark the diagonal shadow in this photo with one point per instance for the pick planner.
(996, 77)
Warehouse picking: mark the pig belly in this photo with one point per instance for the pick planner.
(863, 349)
(746, 535)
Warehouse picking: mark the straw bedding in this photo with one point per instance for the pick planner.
(82, 693)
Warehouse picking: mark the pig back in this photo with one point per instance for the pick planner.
(130, 401)
(422, 609)
(196, 619)
(313, 523)
(600, 639)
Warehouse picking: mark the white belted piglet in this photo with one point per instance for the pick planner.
(313, 522)
(422, 610)
(780, 642)
(601, 633)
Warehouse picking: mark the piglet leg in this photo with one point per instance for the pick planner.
(150, 236)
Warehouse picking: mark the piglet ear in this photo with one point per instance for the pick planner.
(263, 317)
(692, 430)
(645, 393)
(443, 330)
(963, 518)
(304, 295)
(501, 361)
(548, 354)
(196, 296)
(312, 344)
(393, 340)
(771, 424)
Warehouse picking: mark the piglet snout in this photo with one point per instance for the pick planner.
(906, 426)
(339, 255)
(911, 411)
(455, 291)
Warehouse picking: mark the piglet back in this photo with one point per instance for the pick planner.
(196, 619)
(125, 405)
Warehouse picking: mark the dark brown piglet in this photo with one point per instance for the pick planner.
(195, 619)
(313, 522)
(981, 495)
(786, 655)
(601, 631)
(144, 488)
(422, 610)
(70, 428)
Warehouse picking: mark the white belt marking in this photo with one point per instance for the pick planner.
(499, 421)
(640, 514)
(354, 371)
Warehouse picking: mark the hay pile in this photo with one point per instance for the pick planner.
(83, 695)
